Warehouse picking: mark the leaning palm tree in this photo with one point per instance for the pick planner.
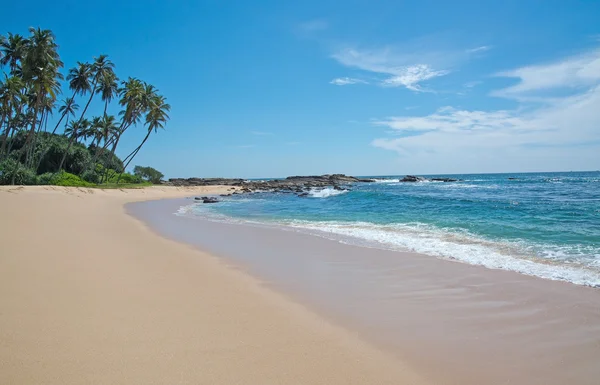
(100, 70)
(156, 118)
(67, 109)
(134, 101)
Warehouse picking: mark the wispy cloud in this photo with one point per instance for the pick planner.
(482, 48)
(400, 70)
(579, 71)
(472, 84)
(346, 81)
(261, 133)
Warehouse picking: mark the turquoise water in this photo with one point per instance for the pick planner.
(543, 224)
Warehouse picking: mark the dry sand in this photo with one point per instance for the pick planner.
(89, 295)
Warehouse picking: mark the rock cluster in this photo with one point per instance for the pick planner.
(412, 178)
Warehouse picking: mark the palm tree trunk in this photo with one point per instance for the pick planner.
(32, 130)
(132, 155)
(62, 161)
(89, 101)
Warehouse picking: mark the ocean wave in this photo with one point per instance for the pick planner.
(386, 180)
(325, 192)
(454, 245)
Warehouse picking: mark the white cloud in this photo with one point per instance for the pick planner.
(573, 72)
(558, 133)
(346, 81)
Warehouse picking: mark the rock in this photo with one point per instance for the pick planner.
(412, 178)
(210, 200)
(511, 178)
(304, 194)
(444, 180)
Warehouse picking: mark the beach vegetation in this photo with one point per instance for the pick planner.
(148, 174)
(64, 127)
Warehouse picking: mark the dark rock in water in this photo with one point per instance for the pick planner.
(210, 200)
(444, 180)
(338, 188)
(412, 178)
(197, 198)
(225, 195)
(513, 178)
(305, 194)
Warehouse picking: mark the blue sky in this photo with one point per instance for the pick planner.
(273, 88)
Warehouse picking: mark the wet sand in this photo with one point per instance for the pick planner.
(456, 323)
(90, 295)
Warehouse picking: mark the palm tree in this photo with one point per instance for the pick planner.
(108, 88)
(101, 70)
(67, 109)
(12, 97)
(40, 67)
(76, 129)
(156, 118)
(133, 100)
(13, 50)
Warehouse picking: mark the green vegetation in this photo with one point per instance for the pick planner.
(80, 150)
(148, 174)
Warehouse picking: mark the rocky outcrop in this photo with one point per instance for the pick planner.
(292, 184)
(412, 178)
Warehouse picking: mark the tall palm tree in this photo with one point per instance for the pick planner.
(67, 109)
(108, 88)
(101, 70)
(40, 67)
(12, 97)
(156, 117)
(13, 50)
(133, 100)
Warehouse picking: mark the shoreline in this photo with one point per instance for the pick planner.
(90, 294)
(406, 303)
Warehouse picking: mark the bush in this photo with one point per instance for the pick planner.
(14, 172)
(91, 176)
(67, 179)
(45, 178)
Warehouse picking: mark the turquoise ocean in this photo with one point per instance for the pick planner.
(540, 224)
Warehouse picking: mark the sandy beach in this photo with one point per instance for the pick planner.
(90, 295)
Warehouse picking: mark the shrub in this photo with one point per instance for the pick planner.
(91, 176)
(14, 172)
(67, 179)
(45, 178)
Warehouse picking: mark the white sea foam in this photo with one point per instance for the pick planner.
(386, 180)
(461, 247)
(325, 192)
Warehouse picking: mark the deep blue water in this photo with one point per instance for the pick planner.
(543, 224)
